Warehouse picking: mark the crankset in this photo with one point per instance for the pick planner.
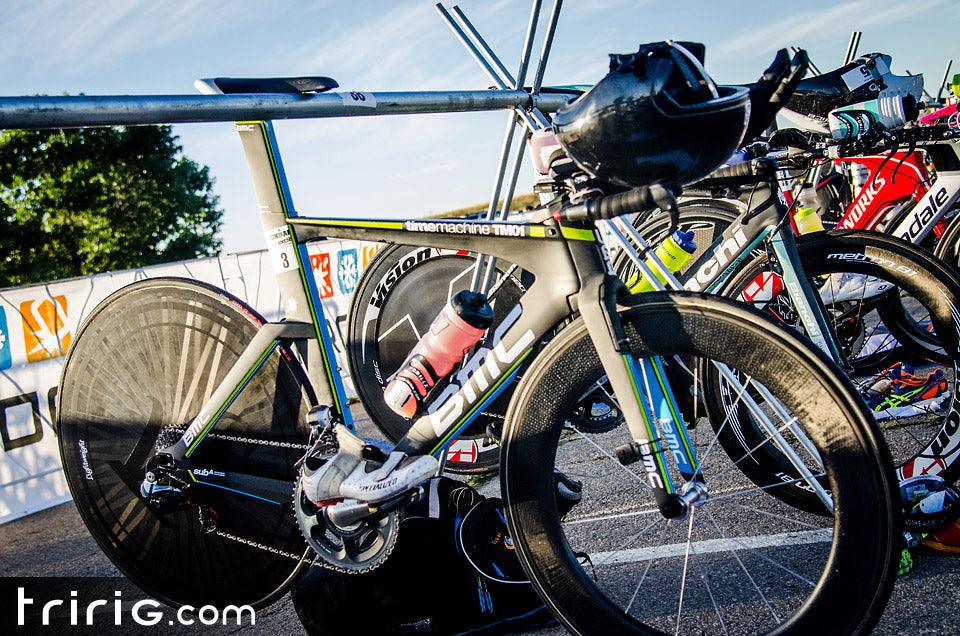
(352, 548)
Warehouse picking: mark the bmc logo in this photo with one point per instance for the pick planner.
(320, 263)
(45, 333)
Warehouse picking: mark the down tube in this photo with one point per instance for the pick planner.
(490, 370)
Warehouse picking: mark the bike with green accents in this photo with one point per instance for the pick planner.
(185, 419)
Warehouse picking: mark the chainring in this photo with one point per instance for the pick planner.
(355, 550)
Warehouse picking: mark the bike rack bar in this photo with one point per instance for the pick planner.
(852, 47)
(547, 44)
(946, 78)
(137, 110)
(505, 75)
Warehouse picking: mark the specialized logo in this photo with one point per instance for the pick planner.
(6, 358)
(478, 374)
(45, 333)
(348, 270)
(722, 256)
(320, 264)
(924, 216)
(864, 199)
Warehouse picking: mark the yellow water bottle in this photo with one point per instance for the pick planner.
(807, 220)
(675, 251)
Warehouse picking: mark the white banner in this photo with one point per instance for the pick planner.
(37, 324)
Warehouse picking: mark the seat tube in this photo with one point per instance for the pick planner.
(806, 300)
(299, 295)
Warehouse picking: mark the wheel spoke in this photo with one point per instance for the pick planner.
(736, 556)
(686, 562)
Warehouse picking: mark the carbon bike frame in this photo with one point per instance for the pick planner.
(571, 274)
(761, 217)
(889, 189)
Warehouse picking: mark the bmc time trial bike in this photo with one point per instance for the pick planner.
(184, 419)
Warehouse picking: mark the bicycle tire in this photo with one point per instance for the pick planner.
(948, 246)
(926, 280)
(850, 594)
(935, 284)
(166, 343)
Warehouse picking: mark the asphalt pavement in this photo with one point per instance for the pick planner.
(55, 543)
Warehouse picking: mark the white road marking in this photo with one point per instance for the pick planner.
(710, 546)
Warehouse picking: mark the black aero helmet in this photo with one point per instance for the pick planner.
(656, 116)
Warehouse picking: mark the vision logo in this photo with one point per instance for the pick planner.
(320, 263)
(45, 333)
(348, 270)
(6, 359)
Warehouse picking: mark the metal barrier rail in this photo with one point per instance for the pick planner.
(119, 110)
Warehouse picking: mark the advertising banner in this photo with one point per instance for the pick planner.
(37, 324)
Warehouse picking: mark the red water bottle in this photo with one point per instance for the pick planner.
(452, 334)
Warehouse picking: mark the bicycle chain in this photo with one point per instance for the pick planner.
(316, 562)
(232, 438)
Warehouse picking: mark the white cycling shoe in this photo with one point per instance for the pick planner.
(348, 475)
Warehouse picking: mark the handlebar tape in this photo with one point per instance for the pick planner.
(614, 205)
(748, 171)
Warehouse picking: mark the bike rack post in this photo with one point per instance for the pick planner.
(478, 48)
(946, 78)
(478, 56)
(814, 69)
(547, 44)
(852, 47)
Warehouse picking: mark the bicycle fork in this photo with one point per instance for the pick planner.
(652, 416)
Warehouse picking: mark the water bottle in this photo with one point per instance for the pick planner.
(807, 220)
(675, 251)
(459, 326)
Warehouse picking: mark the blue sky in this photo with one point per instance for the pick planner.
(410, 165)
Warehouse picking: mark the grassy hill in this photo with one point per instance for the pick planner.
(520, 201)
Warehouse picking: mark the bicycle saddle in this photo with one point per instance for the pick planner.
(294, 85)
(867, 77)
